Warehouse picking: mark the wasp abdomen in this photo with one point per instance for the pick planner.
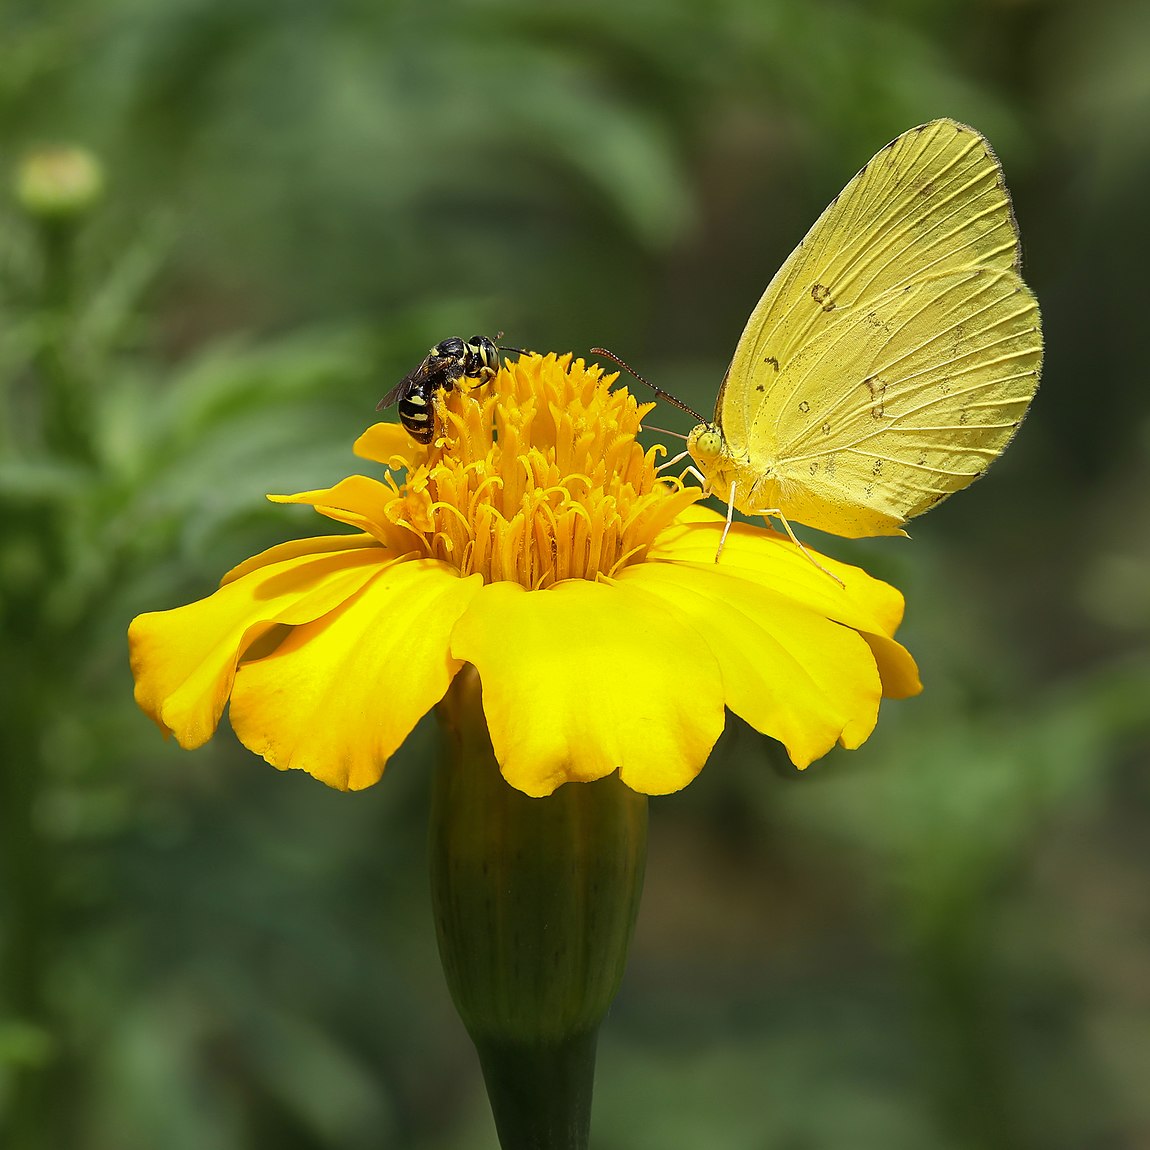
(417, 412)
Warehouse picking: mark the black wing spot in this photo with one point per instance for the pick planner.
(814, 467)
(821, 294)
(760, 387)
(877, 389)
(877, 468)
(804, 407)
(770, 361)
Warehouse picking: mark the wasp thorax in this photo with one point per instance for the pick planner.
(705, 443)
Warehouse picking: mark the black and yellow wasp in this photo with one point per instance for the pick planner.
(446, 364)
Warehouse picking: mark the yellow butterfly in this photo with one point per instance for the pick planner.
(891, 358)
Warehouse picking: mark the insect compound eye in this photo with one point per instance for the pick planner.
(484, 350)
(705, 443)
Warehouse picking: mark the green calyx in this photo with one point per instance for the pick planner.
(535, 903)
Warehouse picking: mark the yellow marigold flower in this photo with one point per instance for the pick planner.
(535, 540)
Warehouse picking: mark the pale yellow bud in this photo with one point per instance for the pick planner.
(59, 182)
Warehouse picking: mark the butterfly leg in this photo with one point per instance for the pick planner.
(673, 461)
(704, 482)
(706, 486)
(727, 525)
(774, 513)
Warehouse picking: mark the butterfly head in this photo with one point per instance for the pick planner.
(706, 444)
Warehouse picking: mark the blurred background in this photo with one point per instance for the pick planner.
(226, 228)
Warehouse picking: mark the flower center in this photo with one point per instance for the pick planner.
(537, 477)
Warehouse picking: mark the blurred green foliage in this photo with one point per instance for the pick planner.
(940, 941)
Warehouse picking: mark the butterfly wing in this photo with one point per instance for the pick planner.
(897, 349)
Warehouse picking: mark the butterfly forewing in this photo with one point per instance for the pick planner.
(897, 348)
(945, 380)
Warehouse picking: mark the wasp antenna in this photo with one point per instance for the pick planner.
(666, 395)
(500, 347)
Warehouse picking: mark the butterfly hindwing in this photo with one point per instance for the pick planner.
(937, 390)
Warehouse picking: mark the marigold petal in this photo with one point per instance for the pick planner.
(770, 557)
(787, 670)
(896, 667)
(184, 660)
(385, 443)
(294, 548)
(356, 501)
(338, 696)
(584, 678)
(774, 563)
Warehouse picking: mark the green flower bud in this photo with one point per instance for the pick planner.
(535, 902)
(59, 182)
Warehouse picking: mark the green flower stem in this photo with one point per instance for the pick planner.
(58, 187)
(66, 414)
(29, 1117)
(535, 903)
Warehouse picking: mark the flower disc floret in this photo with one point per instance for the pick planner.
(537, 477)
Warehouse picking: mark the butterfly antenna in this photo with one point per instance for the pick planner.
(665, 395)
(664, 431)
